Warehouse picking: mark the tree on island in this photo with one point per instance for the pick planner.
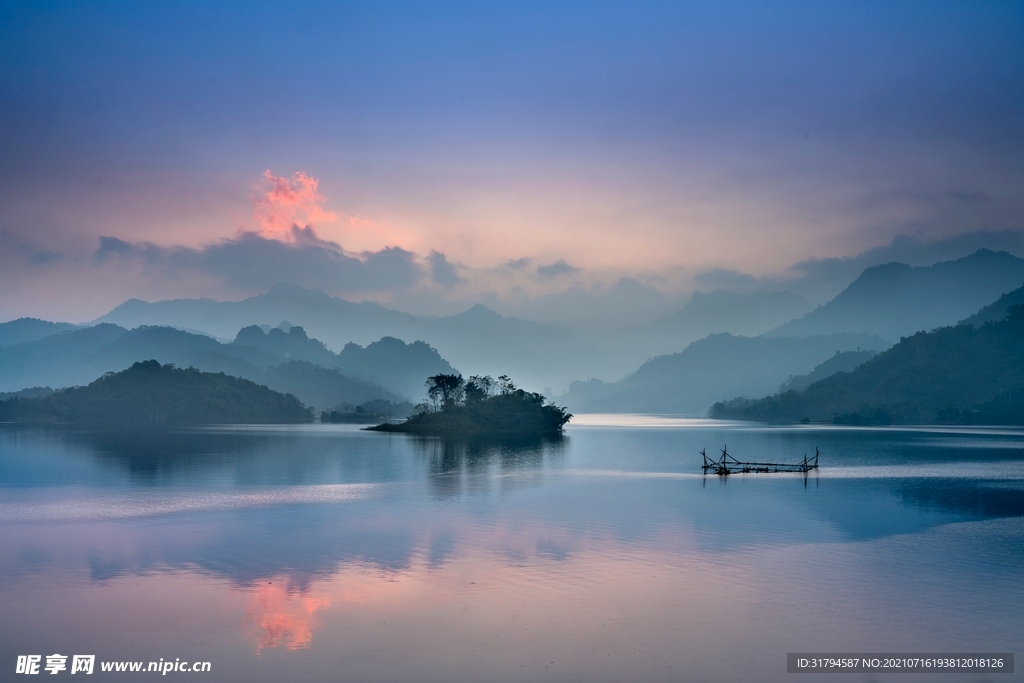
(480, 406)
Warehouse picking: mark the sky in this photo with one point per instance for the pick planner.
(428, 155)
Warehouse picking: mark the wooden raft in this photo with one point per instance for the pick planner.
(727, 465)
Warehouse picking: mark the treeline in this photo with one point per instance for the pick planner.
(370, 411)
(149, 393)
(953, 375)
(481, 406)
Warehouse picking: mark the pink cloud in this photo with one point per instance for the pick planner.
(288, 205)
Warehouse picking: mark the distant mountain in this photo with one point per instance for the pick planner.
(325, 317)
(402, 368)
(321, 388)
(896, 300)
(29, 329)
(478, 341)
(81, 355)
(843, 361)
(715, 312)
(997, 310)
(709, 370)
(961, 374)
(148, 393)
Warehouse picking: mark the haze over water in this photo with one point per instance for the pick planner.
(325, 553)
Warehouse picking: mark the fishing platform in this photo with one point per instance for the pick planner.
(727, 465)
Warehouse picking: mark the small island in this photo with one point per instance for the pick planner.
(481, 406)
(149, 393)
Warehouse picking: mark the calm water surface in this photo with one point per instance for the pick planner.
(322, 553)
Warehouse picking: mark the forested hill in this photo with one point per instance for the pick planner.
(149, 393)
(962, 374)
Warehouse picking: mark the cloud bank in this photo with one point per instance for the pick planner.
(252, 262)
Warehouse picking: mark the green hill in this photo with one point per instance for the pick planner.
(148, 393)
(954, 375)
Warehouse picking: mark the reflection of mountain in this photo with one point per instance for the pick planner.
(895, 300)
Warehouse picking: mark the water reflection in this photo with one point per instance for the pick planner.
(457, 465)
(282, 613)
(429, 559)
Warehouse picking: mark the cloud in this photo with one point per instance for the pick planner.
(559, 267)
(288, 203)
(442, 272)
(519, 264)
(252, 261)
(723, 278)
(45, 258)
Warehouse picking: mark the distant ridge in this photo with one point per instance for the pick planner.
(148, 393)
(291, 362)
(29, 329)
(962, 374)
(895, 300)
(715, 312)
(997, 310)
(477, 341)
(717, 367)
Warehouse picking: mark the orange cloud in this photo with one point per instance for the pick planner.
(290, 203)
(283, 615)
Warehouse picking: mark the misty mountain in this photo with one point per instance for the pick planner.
(997, 310)
(896, 300)
(477, 341)
(708, 370)
(843, 361)
(402, 368)
(325, 317)
(715, 312)
(321, 388)
(29, 329)
(961, 374)
(81, 355)
(626, 303)
(148, 393)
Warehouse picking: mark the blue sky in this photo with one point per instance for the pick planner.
(656, 140)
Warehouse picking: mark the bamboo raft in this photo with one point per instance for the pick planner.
(727, 465)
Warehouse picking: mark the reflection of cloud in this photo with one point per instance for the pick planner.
(283, 614)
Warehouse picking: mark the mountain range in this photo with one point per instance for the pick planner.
(959, 374)
(714, 368)
(717, 346)
(289, 362)
(895, 300)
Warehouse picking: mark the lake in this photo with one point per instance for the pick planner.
(323, 553)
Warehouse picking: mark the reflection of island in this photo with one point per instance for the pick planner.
(481, 406)
(150, 393)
